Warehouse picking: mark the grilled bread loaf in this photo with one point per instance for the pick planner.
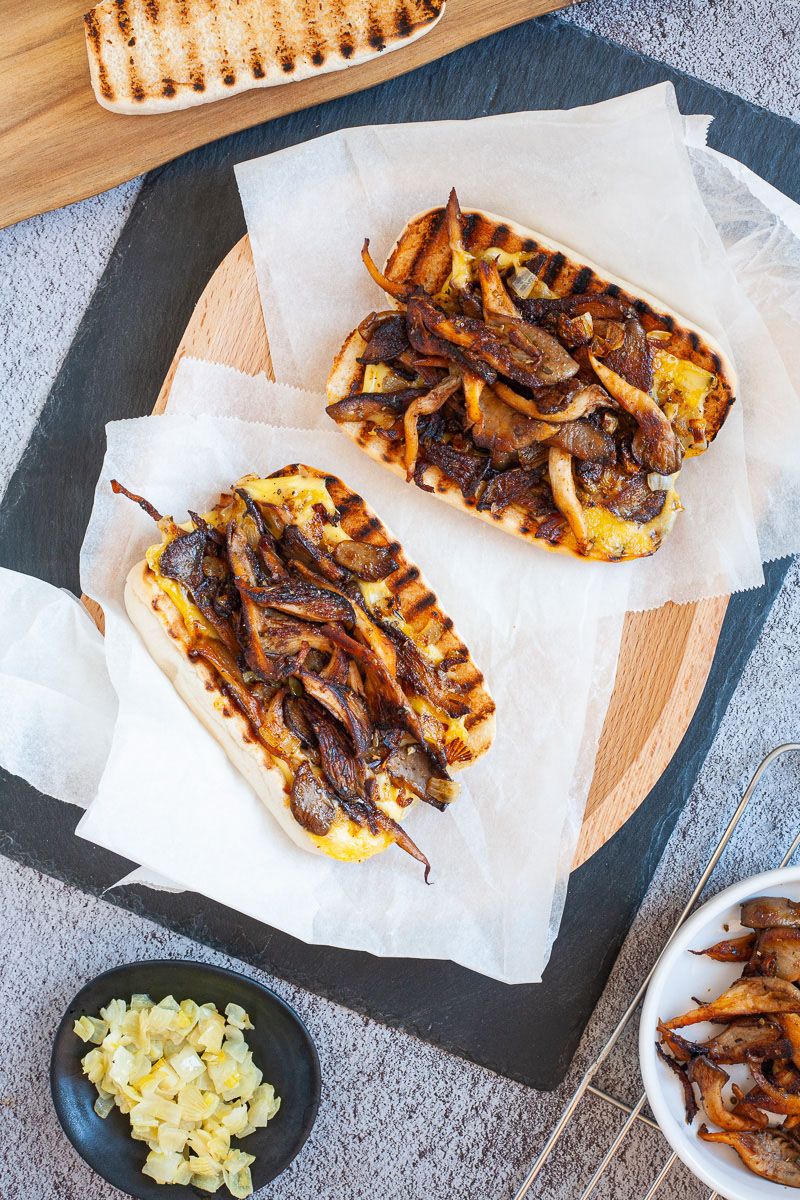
(155, 56)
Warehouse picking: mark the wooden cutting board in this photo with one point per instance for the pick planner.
(665, 656)
(58, 145)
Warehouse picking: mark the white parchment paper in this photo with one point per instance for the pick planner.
(171, 800)
(613, 181)
(57, 703)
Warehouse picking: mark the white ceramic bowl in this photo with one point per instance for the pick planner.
(678, 977)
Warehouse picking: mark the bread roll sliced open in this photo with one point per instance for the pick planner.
(156, 56)
(511, 377)
(291, 622)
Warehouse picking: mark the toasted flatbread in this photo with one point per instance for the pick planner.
(423, 257)
(155, 56)
(173, 628)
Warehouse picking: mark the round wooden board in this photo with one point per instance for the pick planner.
(655, 694)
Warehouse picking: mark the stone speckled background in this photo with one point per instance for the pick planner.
(398, 1119)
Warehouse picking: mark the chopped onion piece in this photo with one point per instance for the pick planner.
(523, 282)
(104, 1103)
(186, 1064)
(186, 1077)
(162, 1165)
(237, 1017)
(658, 483)
(89, 1029)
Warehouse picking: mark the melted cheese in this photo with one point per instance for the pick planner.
(308, 489)
(461, 274)
(615, 538)
(375, 376)
(454, 726)
(693, 382)
(681, 388)
(195, 623)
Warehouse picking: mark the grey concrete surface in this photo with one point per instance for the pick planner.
(399, 1120)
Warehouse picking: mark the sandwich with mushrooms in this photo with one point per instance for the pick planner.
(291, 622)
(537, 391)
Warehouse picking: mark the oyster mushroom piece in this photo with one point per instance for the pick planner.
(556, 364)
(463, 466)
(412, 767)
(768, 1152)
(784, 1100)
(581, 439)
(765, 912)
(386, 341)
(759, 1036)
(655, 443)
(271, 669)
(346, 774)
(746, 997)
(679, 1069)
(481, 347)
(583, 400)
(473, 387)
(633, 360)
(781, 947)
(365, 559)
(497, 304)
(311, 804)
(711, 1080)
(790, 1023)
(400, 291)
(502, 428)
(301, 599)
(400, 837)
(299, 548)
(371, 406)
(344, 705)
(565, 497)
(597, 305)
(423, 407)
(459, 273)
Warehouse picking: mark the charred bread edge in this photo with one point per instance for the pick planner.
(161, 628)
(159, 624)
(571, 256)
(512, 521)
(218, 90)
(359, 521)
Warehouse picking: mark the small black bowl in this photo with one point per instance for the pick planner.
(281, 1047)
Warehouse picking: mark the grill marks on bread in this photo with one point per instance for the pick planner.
(423, 257)
(160, 55)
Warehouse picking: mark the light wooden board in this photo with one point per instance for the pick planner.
(665, 655)
(58, 145)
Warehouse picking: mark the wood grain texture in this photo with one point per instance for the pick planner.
(665, 655)
(58, 145)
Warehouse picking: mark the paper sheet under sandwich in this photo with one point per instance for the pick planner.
(171, 800)
(613, 181)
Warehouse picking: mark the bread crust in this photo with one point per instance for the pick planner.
(422, 256)
(160, 56)
(161, 627)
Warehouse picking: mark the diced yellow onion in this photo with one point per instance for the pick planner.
(186, 1077)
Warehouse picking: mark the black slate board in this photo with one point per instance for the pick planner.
(185, 220)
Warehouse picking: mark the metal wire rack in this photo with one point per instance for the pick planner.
(634, 1114)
